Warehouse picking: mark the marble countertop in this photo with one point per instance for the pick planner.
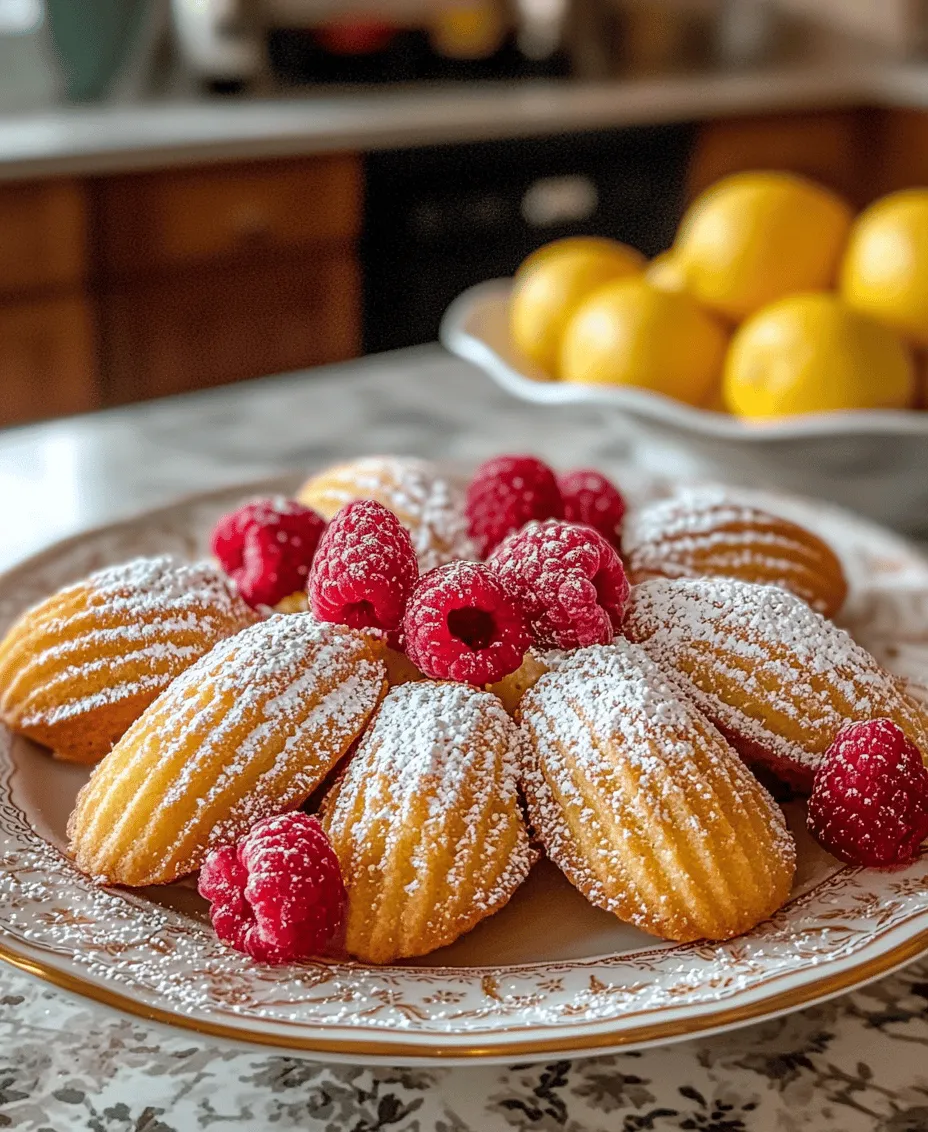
(99, 138)
(854, 1064)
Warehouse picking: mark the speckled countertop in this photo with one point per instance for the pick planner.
(855, 1064)
(100, 138)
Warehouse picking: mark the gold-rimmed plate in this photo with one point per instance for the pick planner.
(549, 974)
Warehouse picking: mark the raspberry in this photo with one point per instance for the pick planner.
(365, 569)
(267, 548)
(591, 499)
(869, 804)
(278, 894)
(505, 494)
(461, 625)
(568, 579)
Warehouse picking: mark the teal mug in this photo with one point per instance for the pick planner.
(93, 39)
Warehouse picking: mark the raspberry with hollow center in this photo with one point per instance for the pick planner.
(364, 570)
(568, 579)
(278, 894)
(869, 804)
(505, 494)
(592, 500)
(461, 625)
(267, 548)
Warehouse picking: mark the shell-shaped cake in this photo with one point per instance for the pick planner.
(776, 678)
(249, 731)
(77, 670)
(643, 805)
(426, 821)
(513, 687)
(701, 534)
(425, 500)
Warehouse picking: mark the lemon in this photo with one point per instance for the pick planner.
(756, 237)
(813, 353)
(593, 244)
(553, 282)
(631, 333)
(667, 272)
(885, 271)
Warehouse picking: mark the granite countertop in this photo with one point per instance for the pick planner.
(851, 1065)
(101, 138)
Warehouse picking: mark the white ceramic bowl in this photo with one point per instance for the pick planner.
(873, 462)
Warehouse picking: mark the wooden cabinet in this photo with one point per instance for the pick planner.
(834, 147)
(46, 358)
(47, 350)
(129, 287)
(213, 275)
(900, 159)
(43, 236)
(206, 327)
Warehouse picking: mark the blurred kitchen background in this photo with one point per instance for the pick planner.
(196, 192)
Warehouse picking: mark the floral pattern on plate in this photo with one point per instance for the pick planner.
(157, 956)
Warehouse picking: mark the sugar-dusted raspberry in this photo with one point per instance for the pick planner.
(267, 548)
(461, 625)
(591, 499)
(505, 494)
(278, 894)
(869, 804)
(568, 579)
(364, 570)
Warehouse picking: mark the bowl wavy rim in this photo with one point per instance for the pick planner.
(459, 337)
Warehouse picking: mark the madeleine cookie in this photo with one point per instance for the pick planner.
(513, 687)
(77, 670)
(644, 806)
(425, 501)
(249, 731)
(775, 677)
(700, 534)
(426, 821)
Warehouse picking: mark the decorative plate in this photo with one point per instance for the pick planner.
(547, 975)
(861, 459)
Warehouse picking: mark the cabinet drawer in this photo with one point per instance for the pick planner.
(43, 235)
(208, 327)
(46, 359)
(162, 220)
(902, 160)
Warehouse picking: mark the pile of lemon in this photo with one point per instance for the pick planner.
(773, 300)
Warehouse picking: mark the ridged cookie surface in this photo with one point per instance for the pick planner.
(422, 497)
(77, 670)
(249, 731)
(701, 534)
(776, 678)
(426, 821)
(644, 806)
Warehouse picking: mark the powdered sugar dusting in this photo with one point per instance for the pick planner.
(249, 730)
(703, 532)
(419, 494)
(688, 511)
(761, 663)
(160, 584)
(432, 749)
(125, 631)
(619, 742)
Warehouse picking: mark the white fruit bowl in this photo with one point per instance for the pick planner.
(875, 462)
